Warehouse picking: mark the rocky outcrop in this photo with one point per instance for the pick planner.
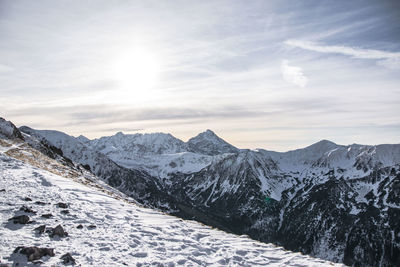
(35, 253)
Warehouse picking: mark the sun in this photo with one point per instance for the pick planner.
(136, 72)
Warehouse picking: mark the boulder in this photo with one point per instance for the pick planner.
(22, 219)
(40, 229)
(68, 259)
(27, 209)
(62, 205)
(59, 230)
(34, 253)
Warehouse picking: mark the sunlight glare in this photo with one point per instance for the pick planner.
(136, 72)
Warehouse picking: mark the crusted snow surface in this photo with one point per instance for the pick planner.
(124, 233)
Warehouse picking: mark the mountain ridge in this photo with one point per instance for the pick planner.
(273, 196)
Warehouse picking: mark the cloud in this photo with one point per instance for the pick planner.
(387, 59)
(293, 74)
(5, 68)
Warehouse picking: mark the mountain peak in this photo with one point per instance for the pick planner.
(324, 145)
(8, 129)
(208, 131)
(209, 143)
(83, 139)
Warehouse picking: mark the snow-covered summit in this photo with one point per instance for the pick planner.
(209, 143)
(143, 144)
(83, 139)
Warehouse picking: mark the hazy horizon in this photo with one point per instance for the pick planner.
(261, 74)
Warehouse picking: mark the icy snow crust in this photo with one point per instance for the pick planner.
(125, 234)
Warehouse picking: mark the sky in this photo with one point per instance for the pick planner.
(277, 75)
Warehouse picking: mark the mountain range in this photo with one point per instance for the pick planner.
(339, 203)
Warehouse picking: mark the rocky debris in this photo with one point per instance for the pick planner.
(27, 209)
(68, 259)
(35, 253)
(58, 230)
(92, 226)
(22, 219)
(62, 205)
(47, 215)
(40, 203)
(79, 226)
(65, 211)
(40, 229)
(27, 199)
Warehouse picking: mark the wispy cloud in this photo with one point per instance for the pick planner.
(293, 74)
(388, 59)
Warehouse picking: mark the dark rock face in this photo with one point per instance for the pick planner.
(22, 219)
(68, 259)
(58, 231)
(35, 253)
(47, 215)
(40, 229)
(27, 209)
(233, 201)
(62, 205)
(9, 130)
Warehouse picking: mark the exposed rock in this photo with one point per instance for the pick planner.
(22, 219)
(40, 229)
(27, 199)
(59, 230)
(65, 211)
(34, 253)
(92, 226)
(79, 226)
(8, 129)
(27, 209)
(47, 215)
(40, 203)
(68, 259)
(2, 190)
(62, 205)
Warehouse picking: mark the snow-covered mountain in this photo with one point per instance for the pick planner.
(53, 214)
(209, 143)
(318, 200)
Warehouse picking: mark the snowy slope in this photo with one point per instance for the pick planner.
(122, 234)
